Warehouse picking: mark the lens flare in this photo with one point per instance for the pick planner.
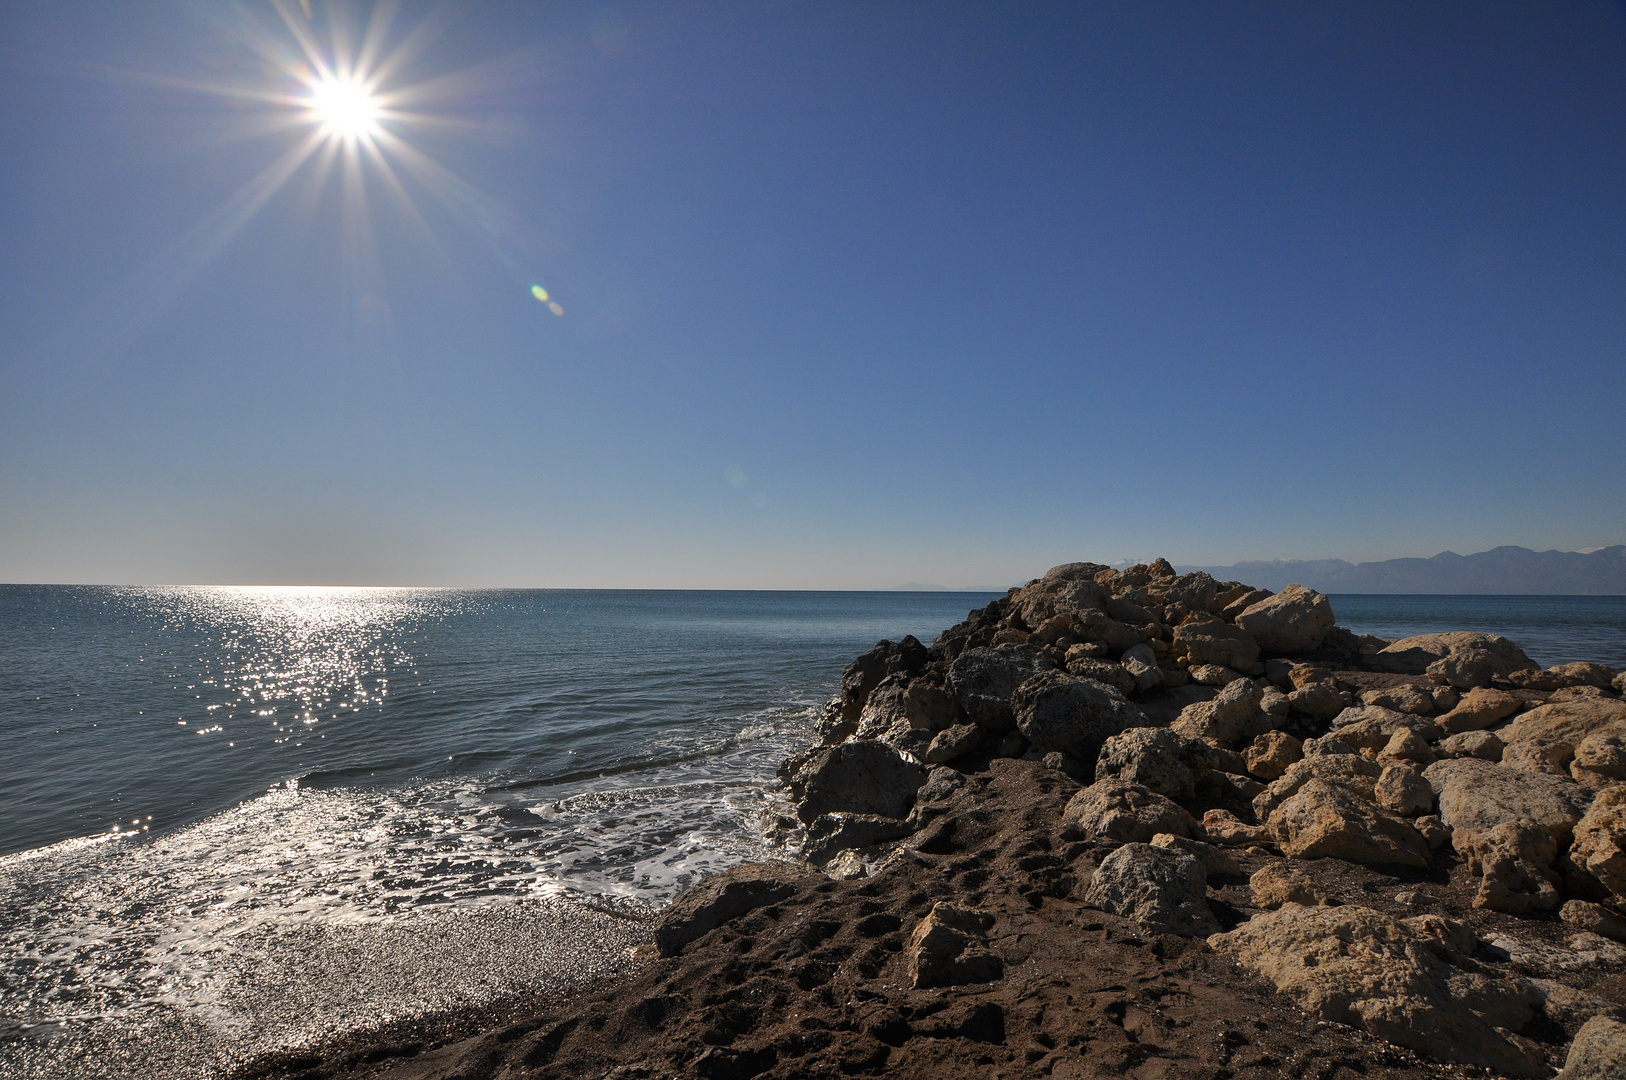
(540, 293)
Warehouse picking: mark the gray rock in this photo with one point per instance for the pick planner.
(1128, 813)
(1162, 889)
(1598, 1052)
(950, 743)
(982, 681)
(859, 778)
(1295, 620)
(1112, 674)
(1317, 700)
(1371, 727)
(1479, 744)
(1403, 698)
(1141, 663)
(1066, 590)
(1233, 717)
(941, 783)
(720, 899)
(1217, 643)
(1157, 759)
(867, 670)
(1057, 711)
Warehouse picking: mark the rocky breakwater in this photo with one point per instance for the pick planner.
(1129, 822)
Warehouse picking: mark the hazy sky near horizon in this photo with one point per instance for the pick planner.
(852, 294)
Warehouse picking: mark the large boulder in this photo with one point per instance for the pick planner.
(1479, 744)
(1405, 698)
(1356, 774)
(1065, 590)
(1155, 585)
(861, 777)
(1127, 813)
(1270, 755)
(867, 670)
(1157, 759)
(1600, 760)
(950, 947)
(1552, 756)
(1102, 627)
(1562, 676)
(1232, 717)
(983, 681)
(1402, 790)
(1215, 642)
(1598, 1052)
(717, 900)
(1509, 825)
(1323, 820)
(1163, 889)
(1370, 727)
(1569, 721)
(1461, 659)
(1102, 671)
(951, 742)
(885, 707)
(1058, 711)
(1353, 965)
(1295, 620)
(1600, 840)
(1319, 700)
(1140, 662)
(1480, 708)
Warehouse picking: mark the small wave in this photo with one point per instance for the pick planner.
(334, 898)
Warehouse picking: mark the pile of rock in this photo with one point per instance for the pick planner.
(1209, 717)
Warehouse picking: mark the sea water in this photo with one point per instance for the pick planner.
(239, 819)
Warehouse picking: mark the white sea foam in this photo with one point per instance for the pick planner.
(357, 906)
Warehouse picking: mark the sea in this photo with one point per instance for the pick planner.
(236, 821)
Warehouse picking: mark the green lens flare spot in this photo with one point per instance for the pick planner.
(540, 293)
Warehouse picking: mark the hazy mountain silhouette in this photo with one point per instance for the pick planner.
(1500, 570)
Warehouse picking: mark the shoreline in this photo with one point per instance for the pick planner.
(1068, 840)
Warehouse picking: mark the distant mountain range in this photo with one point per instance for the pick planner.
(1601, 571)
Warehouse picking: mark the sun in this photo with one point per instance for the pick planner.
(344, 108)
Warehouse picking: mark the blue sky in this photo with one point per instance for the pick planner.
(853, 294)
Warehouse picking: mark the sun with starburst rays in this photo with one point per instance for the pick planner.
(345, 108)
(346, 111)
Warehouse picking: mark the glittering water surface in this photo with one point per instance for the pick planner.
(253, 818)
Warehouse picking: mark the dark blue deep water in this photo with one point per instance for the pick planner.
(236, 818)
